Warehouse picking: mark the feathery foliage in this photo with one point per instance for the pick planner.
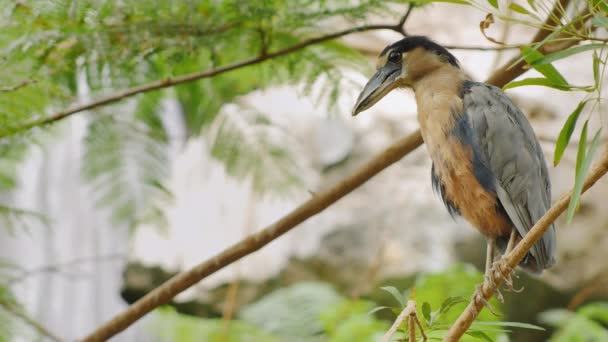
(54, 52)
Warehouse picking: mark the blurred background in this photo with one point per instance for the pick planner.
(100, 207)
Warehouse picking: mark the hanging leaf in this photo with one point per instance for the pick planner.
(545, 82)
(566, 133)
(583, 161)
(548, 70)
(596, 69)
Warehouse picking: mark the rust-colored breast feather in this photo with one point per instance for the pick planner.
(454, 170)
(438, 112)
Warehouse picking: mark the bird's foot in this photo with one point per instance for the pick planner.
(508, 286)
(479, 299)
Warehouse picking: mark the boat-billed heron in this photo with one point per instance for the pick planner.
(488, 166)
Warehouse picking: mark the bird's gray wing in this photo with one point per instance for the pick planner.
(510, 150)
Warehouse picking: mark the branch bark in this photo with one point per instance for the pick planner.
(503, 268)
(165, 292)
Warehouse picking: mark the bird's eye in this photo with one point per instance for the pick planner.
(394, 57)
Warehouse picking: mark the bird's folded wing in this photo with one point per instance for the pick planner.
(510, 150)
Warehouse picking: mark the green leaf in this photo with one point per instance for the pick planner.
(450, 302)
(582, 148)
(479, 335)
(519, 9)
(378, 308)
(532, 4)
(494, 3)
(457, 2)
(396, 294)
(567, 53)
(566, 133)
(510, 324)
(596, 69)
(545, 82)
(426, 311)
(556, 317)
(600, 21)
(581, 169)
(548, 70)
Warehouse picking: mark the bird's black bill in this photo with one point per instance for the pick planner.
(379, 85)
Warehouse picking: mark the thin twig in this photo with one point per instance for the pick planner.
(170, 82)
(18, 312)
(408, 312)
(503, 268)
(58, 266)
(401, 24)
(17, 86)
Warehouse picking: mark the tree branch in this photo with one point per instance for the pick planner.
(18, 312)
(319, 202)
(503, 268)
(170, 82)
(17, 86)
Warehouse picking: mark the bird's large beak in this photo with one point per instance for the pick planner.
(383, 81)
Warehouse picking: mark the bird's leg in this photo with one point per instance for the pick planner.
(477, 297)
(491, 246)
(511, 243)
(509, 278)
(489, 275)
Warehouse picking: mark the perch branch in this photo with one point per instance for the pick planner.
(507, 263)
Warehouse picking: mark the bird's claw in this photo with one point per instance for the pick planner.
(478, 299)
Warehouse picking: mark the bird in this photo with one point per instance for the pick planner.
(487, 165)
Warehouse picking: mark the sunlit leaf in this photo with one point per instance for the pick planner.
(566, 133)
(509, 324)
(548, 70)
(520, 9)
(567, 53)
(545, 82)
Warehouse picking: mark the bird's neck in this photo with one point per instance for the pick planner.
(438, 98)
